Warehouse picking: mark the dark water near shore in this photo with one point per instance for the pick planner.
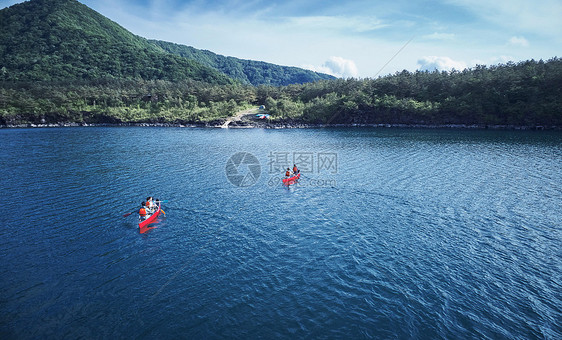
(390, 234)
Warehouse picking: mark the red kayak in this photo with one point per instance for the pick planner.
(291, 180)
(143, 225)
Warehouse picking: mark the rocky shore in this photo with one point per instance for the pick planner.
(248, 119)
(244, 124)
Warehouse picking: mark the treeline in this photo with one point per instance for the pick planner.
(120, 101)
(523, 94)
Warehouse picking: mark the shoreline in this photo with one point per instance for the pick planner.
(261, 125)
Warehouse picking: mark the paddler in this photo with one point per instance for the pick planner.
(295, 169)
(288, 173)
(142, 211)
(150, 203)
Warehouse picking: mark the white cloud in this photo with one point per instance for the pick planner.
(337, 66)
(432, 63)
(519, 41)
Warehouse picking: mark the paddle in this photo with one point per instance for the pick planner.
(295, 174)
(159, 203)
(127, 214)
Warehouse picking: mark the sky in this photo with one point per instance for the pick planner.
(353, 38)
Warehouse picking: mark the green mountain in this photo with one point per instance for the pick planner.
(65, 40)
(61, 40)
(246, 71)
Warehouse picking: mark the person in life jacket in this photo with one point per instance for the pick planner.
(288, 173)
(295, 169)
(149, 203)
(142, 211)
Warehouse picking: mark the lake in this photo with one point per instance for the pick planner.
(390, 233)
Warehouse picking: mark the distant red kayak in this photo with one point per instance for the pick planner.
(291, 180)
(143, 226)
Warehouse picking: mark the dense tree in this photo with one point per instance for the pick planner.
(523, 94)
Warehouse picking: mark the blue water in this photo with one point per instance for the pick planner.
(390, 233)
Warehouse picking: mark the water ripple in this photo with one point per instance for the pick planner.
(425, 234)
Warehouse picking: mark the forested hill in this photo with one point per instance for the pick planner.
(247, 71)
(66, 40)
